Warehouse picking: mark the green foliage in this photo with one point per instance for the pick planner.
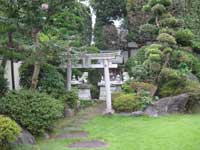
(180, 58)
(166, 38)
(3, 82)
(139, 87)
(136, 60)
(126, 87)
(171, 22)
(196, 46)
(109, 9)
(148, 32)
(171, 82)
(139, 73)
(126, 103)
(34, 111)
(158, 9)
(168, 31)
(9, 131)
(184, 37)
(167, 50)
(163, 2)
(50, 80)
(70, 98)
(145, 99)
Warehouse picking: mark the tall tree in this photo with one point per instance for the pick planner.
(35, 15)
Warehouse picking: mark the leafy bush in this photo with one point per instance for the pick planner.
(145, 99)
(158, 9)
(171, 82)
(139, 73)
(148, 32)
(196, 46)
(166, 38)
(9, 131)
(126, 103)
(169, 22)
(168, 31)
(167, 50)
(184, 37)
(34, 111)
(136, 60)
(180, 57)
(70, 98)
(142, 86)
(163, 2)
(50, 80)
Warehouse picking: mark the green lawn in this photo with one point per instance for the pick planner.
(181, 132)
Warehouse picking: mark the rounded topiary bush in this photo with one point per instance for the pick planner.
(49, 78)
(70, 98)
(3, 82)
(148, 32)
(184, 37)
(158, 9)
(166, 38)
(126, 103)
(169, 22)
(9, 131)
(32, 110)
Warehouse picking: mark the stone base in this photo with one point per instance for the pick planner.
(102, 95)
(84, 94)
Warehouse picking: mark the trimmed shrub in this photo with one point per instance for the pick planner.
(166, 38)
(136, 60)
(184, 37)
(3, 82)
(50, 80)
(32, 110)
(155, 57)
(169, 22)
(196, 46)
(70, 98)
(148, 32)
(163, 2)
(167, 50)
(9, 131)
(158, 9)
(139, 73)
(171, 82)
(168, 31)
(142, 86)
(126, 103)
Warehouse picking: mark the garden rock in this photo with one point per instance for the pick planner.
(25, 138)
(168, 105)
(192, 77)
(137, 113)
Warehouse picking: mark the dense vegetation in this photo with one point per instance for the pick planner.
(42, 34)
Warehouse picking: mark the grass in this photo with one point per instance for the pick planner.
(180, 132)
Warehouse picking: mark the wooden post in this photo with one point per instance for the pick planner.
(69, 70)
(107, 85)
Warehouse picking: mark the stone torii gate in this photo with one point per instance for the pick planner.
(98, 60)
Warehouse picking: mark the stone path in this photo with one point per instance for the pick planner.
(89, 144)
(74, 130)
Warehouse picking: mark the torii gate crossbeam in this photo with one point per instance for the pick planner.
(105, 62)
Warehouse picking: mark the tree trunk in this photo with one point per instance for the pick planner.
(69, 71)
(11, 45)
(37, 64)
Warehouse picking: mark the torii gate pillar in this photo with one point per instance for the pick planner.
(109, 109)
